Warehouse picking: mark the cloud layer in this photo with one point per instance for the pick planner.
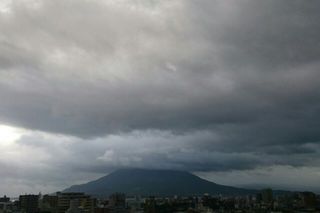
(219, 86)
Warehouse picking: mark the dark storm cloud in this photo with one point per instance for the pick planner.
(211, 86)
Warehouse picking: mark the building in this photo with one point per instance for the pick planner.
(5, 205)
(29, 203)
(49, 203)
(117, 203)
(267, 195)
(117, 200)
(85, 201)
(150, 205)
(4, 199)
(75, 207)
(309, 200)
(134, 204)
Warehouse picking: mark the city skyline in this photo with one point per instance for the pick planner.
(227, 90)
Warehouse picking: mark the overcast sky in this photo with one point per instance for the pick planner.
(227, 89)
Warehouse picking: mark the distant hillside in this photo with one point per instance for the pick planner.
(154, 182)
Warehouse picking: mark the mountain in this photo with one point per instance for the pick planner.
(154, 182)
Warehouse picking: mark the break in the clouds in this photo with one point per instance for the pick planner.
(214, 86)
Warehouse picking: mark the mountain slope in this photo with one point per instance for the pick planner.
(154, 182)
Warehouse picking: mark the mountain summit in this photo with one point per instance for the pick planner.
(154, 182)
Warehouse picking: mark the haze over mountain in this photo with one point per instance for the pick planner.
(154, 182)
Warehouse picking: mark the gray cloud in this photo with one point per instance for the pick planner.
(211, 86)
